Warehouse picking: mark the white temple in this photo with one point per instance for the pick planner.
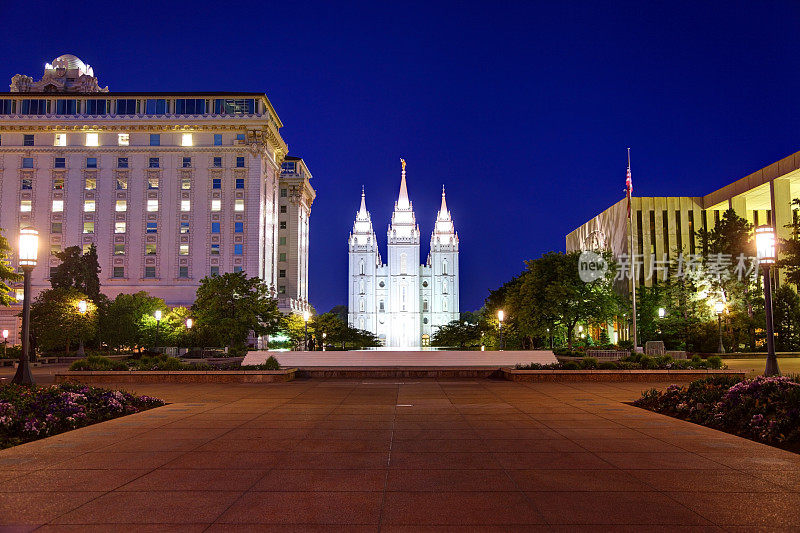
(402, 301)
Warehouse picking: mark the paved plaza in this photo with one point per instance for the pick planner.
(397, 456)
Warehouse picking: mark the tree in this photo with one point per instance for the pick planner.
(125, 320)
(56, 321)
(232, 305)
(340, 311)
(460, 333)
(786, 311)
(78, 270)
(790, 251)
(7, 273)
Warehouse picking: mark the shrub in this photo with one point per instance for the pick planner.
(11, 352)
(161, 362)
(270, 364)
(648, 363)
(588, 363)
(715, 362)
(98, 363)
(571, 365)
(608, 365)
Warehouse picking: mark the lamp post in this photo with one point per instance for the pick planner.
(189, 324)
(324, 335)
(5, 342)
(662, 312)
(157, 314)
(28, 250)
(765, 249)
(500, 316)
(82, 308)
(719, 308)
(306, 316)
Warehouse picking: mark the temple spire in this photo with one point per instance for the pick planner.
(402, 199)
(362, 212)
(443, 210)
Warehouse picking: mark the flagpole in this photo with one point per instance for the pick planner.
(632, 257)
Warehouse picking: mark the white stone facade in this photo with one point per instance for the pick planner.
(294, 227)
(170, 187)
(403, 301)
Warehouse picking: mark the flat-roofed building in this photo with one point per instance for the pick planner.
(170, 187)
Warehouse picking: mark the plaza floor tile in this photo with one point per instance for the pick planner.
(752, 509)
(319, 480)
(165, 479)
(304, 508)
(459, 508)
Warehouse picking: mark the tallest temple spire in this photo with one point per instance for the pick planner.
(402, 199)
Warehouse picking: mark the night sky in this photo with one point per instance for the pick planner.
(523, 110)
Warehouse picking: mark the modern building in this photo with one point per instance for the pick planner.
(294, 204)
(401, 301)
(665, 226)
(170, 187)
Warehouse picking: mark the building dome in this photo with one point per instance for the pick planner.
(70, 62)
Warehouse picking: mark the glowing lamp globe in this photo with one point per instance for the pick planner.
(765, 244)
(500, 315)
(661, 312)
(306, 315)
(189, 323)
(82, 307)
(28, 247)
(719, 307)
(157, 314)
(5, 334)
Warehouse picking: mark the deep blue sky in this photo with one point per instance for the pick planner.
(522, 109)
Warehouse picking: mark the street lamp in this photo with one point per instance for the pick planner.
(157, 314)
(662, 312)
(500, 316)
(5, 342)
(189, 324)
(324, 335)
(765, 249)
(82, 308)
(306, 316)
(719, 308)
(28, 251)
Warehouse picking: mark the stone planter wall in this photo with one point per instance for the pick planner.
(180, 376)
(613, 375)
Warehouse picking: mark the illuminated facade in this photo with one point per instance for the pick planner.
(170, 187)
(401, 301)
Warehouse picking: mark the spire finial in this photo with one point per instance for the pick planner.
(403, 162)
(362, 190)
(402, 199)
(442, 189)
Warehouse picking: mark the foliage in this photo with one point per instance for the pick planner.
(78, 270)
(231, 306)
(634, 362)
(461, 333)
(790, 250)
(763, 409)
(28, 413)
(128, 321)
(337, 332)
(7, 273)
(786, 313)
(98, 363)
(11, 352)
(270, 364)
(164, 363)
(56, 321)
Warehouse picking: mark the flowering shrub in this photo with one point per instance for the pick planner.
(763, 409)
(28, 413)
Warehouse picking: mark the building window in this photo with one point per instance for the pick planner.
(60, 162)
(25, 206)
(238, 205)
(91, 162)
(282, 256)
(120, 227)
(60, 139)
(185, 205)
(58, 184)
(284, 193)
(27, 184)
(88, 206)
(150, 249)
(186, 139)
(155, 139)
(240, 137)
(381, 307)
(154, 162)
(424, 306)
(149, 271)
(126, 106)
(361, 267)
(216, 183)
(283, 226)
(66, 107)
(33, 107)
(152, 205)
(236, 269)
(281, 241)
(240, 162)
(215, 227)
(444, 267)
(152, 183)
(444, 304)
(403, 263)
(281, 273)
(90, 184)
(183, 271)
(54, 250)
(186, 184)
(238, 249)
(187, 162)
(217, 139)
(122, 162)
(183, 249)
(27, 162)
(92, 139)
(121, 206)
(88, 227)
(151, 227)
(6, 107)
(123, 139)
(361, 308)
(281, 289)
(283, 209)
(238, 227)
(58, 206)
(217, 162)
(122, 184)
(55, 227)
(215, 271)
(184, 227)
(119, 249)
(216, 205)
(240, 183)
(119, 272)
(444, 287)
(95, 107)
(215, 249)
(27, 140)
(234, 106)
(157, 106)
(190, 106)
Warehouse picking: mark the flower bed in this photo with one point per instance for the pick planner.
(162, 363)
(763, 409)
(28, 413)
(634, 362)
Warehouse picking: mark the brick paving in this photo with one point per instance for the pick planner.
(392, 455)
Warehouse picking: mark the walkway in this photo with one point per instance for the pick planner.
(396, 457)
